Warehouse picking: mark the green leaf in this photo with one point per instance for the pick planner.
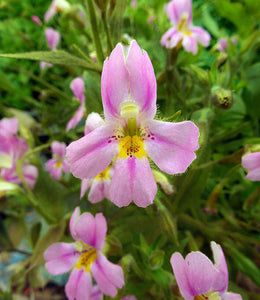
(53, 235)
(57, 57)
(117, 20)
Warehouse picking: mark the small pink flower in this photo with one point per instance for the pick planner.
(53, 39)
(223, 43)
(134, 3)
(56, 6)
(183, 32)
(251, 162)
(58, 163)
(12, 149)
(198, 278)
(85, 257)
(77, 86)
(129, 134)
(36, 20)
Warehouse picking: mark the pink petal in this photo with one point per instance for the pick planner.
(73, 122)
(78, 87)
(101, 230)
(96, 193)
(201, 35)
(201, 273)
(176, 9)
(221, 282)
(85, 184)
(60, 258)
(65, 167)
(30, 174)
(165, 41)
(96, 294)
(222, 44)
(231, 296)
(251, 162)
(79, 285)
(92, 154)
(142, 80)
(175, 39)
(178, 266)
(56, 173)
(189, 43)
(50, 12)
(115, 88)
(93, 121)
(172, 145)
(132, 180)
(44, 64)
(36, 20)
(73, 220)
(58, 148)
(8, 127)
(113, 272)
(52, 37)
(50, 164)
(85, 229)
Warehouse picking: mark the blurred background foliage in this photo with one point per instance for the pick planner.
(141, 239)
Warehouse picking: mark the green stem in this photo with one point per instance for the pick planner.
(107, 31)
(81, 53)
(95, 31)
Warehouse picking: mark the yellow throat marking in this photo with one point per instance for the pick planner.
(130, 146)
(103, 175)
(208, 296)
(86, 259)
(183, 25)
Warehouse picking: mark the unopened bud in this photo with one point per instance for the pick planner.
(61, 5)
(221, 97)
(156, 259)
(163, 182)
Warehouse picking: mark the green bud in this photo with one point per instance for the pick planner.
(156, 259)
(222, 98)
(163, 182)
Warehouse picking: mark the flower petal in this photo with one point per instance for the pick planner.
(50, 12)
(85, 184)
(79, 285)
(231, 296)
(177, 8)
(201, 35)
(221, 282)
(172, 145)
(101, 230)
(132, 180)
(73, 219)
(73, 122)
(165, 40)
(251, 162)
(93, 121)
(52, 37)
(201, 273)
(30, 174)
(58, 148)
(92, 154)
(8, 127)
(178, 266)
(60, 258)
(189, 43)
(114, 82)
(85, 229)
(96, 294)
(142, 80)
(78, 87)
(96, 193)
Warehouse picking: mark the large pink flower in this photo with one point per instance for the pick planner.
(12, 149)
(77, 86)
(85, 257)
(58, 163)
(251, 162)
(130, 135)
(198, 278)
(183, 32)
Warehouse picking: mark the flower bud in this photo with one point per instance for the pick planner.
(156, 259)
(222, 98)
(163, 182)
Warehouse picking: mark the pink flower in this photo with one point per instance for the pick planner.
(198, 278)
(251, 162)
(85, 257)
(129, 134)
(36, 20)
(77, 86)
(183, 32)
(223, 43)
(58, 163)
(130, 297)
(12, 149)
(56, 6)
(53, 39)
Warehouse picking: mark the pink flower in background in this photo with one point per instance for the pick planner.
(77, 86)
(53, 39)
(251, 162)
(56, 6)
(198, 278)
(58, 163)
(134, 3)
(223, 43)
(85, 257)
(130, 135)
(183, 32)
(130, 297)
(36, 20)
(12, 149)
